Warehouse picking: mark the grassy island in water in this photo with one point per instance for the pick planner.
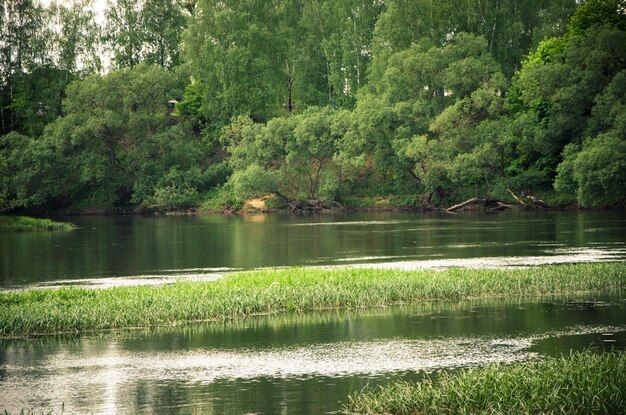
(75, 310)
(25, 224)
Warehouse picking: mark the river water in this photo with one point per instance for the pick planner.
(306, 363)
(293, 364)
(135, 249)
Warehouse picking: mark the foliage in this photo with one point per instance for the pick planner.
(597, 173)
(597, 12)
(272, 56)
(144, 31)
(325, 100)
(252, 181)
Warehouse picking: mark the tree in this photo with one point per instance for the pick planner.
(561, 92)
(235, 56)
(270, 57)
(124, 32)
(429, 101)
(108, 120)
(78, 38)
(310, 154)
(509, 27)
(598, 12)
(164, 22)
(596, 173)
(24, 45)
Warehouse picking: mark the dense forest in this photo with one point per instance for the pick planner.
(166, 105)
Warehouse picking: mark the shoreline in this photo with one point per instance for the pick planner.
(198, 211)
(390, 203)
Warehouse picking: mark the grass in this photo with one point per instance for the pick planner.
(25, 223)
(74, 310)
(581, 383)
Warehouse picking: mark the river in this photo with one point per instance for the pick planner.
(117, 250)
(297, 363)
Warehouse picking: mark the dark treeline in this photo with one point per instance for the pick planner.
(179, 104)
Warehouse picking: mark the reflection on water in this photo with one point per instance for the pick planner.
(146, 249)
(302, 363)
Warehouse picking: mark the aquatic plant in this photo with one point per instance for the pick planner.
(580, 383)
(25, 223)
(47, 311)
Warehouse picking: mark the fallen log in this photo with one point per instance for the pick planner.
(520, 201)
(500, 206)
(472, 201)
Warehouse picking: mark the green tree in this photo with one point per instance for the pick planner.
(426, 111)
(25, 44)
(78, 38)
(509, 27)
(164, 23)
(596, 173)
(598, 12)
(108, 120)
(124, 32)
(310, 155)
(560, 93)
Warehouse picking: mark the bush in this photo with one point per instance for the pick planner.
(253, 181)
(597, 173)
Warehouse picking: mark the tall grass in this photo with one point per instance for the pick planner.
(581, 383)
(25, 223)
(272, 291)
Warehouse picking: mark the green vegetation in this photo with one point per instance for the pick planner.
(273, 291)
(582, 383)
(210, 103)
(25, 223)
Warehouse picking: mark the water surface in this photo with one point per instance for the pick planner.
(135, 249)
(294, 364)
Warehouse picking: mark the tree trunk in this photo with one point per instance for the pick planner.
(493, 30)
(289, 87)
(472, 201)
(520, 201)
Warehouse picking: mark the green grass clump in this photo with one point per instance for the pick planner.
(62, 310)
(581, 383)
(25, 223)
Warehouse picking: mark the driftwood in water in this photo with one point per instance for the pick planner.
(500, 206)
(469, 202)
(312, 206)
(537, 202)
(524, 201)
(488, 205)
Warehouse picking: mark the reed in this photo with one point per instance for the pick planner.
(25, 223)
(73, 310)
(580, 383)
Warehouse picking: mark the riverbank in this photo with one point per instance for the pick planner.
(272, 202)
(26, 223)
(582, 383)
(76, 310)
